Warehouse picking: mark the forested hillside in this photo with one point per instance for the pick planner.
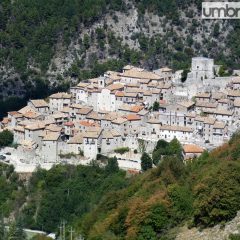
(47, 45)
(108, 204)
(202, 194)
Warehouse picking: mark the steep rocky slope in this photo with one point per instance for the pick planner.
(105, 35)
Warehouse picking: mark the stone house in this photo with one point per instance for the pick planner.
(165, 73)
(18, 134)
(136, 75)
(80, 93)
(33, 132)
(106, 101)
(166, 91)
(39, 105)
(59, 100)
(75, 144)
(236, 106)
(203, 97)
(202, 68)
(191, 151)
(236, 83)
(119, 99)
(82, 113)
(220, 133)
(224, 116)
(205, 107)
(233, 94)
(183, 107)
(183, 134)
(58, 118)
(51, 147)
(120, 125)
(69, 128)
(111, 139)
(225, 104)
(14, 117)
(133, 123)
(130, 98)
(92, 144)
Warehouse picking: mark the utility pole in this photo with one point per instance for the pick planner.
(64, 228)
(60, 227)
(71, 233)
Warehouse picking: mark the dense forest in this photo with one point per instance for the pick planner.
(106, 203)
(33, 33)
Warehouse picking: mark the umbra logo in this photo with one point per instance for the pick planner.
(221, 10)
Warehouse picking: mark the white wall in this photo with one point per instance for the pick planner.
(49, 151)
(90, 148)
(81, 96)
(106, 101)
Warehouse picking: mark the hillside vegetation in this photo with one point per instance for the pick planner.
(202, 193)
(106, 204)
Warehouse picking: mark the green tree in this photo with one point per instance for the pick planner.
(6, 138)
(146, 162)
(184, 75)
(160, 150)
(86, 41)
(20, 232)
(217, 197)
(12, 234)
(156, 106)
(159, 218)
(112, 165)
(147, 233)
(16, 231)
(161, 144)
(175, 148)
(182, 201)
(223, 71)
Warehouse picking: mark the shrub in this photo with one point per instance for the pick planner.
(6, 138)
(68, 155)
(122, 150)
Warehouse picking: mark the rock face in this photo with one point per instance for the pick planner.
(128, 27)
(216, 233)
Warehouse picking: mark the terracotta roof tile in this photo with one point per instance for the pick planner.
(192, 148)
(39, 103)
(133, 117)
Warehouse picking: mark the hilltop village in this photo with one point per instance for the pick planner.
(130, 111)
